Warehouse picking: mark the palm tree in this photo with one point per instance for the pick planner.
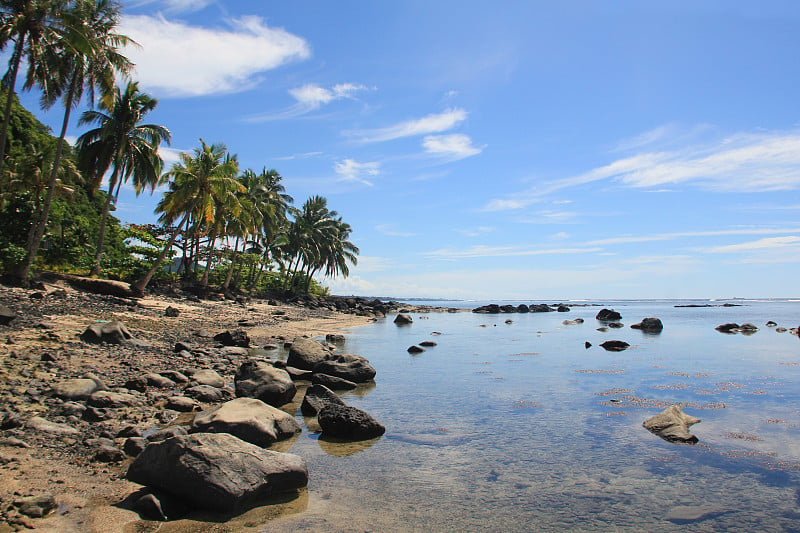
(87, 58)
(201, 189)
(125, 145)
(31, 26)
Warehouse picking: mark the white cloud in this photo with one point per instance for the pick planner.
(504, 205)
(681, 235)
(310, 97)
(451, 147)
(351, 170)
(392, 231)
(435, 123)
(761, 244)
(182, 60)
(477, 232)
(503, 251)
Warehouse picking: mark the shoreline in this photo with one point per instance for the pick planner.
(41, 347)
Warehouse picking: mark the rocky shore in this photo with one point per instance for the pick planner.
(88, 381)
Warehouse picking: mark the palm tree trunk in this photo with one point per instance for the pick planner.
(35, 238)
(139, 286)
(16, 57)
(233, 264)
(212, 242)
(99, 253)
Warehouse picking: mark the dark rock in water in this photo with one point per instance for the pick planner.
(318, 396)
(217, 471)
(332, 382)
(113, 332)
(305, 353)
(615, 346)
(587, 345)
(36, 506)
(335, 338)
(649, 325)
(771, 324)
(563, 309)
(616, 325)
(508, 308)
(348, 423)
(236, 337)
(672, 425)
(402, 320)
(413, 350)
(608, 315)
(256, 379)
(728, 328)
(6, 315)
(491, 309)
(171, 312)
(572, 322)
(522, 308)
(249, 419)
(351, 367)
(540, 308)
(748, 328)
(427, 344)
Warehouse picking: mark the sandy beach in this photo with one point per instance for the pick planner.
(41, 347)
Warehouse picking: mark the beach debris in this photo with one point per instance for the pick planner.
(615, 346)
(608, 315)
(649, 325)
(346, 422)
(318, 396)
(402, 319)
(260, 380)
(413, 350)
(672, 425)
(217, 471)
(249, 419)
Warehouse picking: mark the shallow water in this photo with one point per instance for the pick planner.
(519, 427)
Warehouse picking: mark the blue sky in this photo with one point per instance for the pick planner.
(504, 150)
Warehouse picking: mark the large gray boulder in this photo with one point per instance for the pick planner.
(318, 396)
(349, 423)
(403, 320)
(257, 379)
(77, 388)
(351, 367)
(249, 419)
(217, 471)
(305, 353)
(672, 425)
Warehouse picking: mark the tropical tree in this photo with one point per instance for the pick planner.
(202, 190)
(31, 26)
(122, 143)
(86, 58)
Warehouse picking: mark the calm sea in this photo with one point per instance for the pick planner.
(520, 427)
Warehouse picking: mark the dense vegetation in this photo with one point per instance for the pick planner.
(218, 224)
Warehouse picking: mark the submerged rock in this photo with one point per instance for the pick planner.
(318, 396)
(615, 346)
(217, 471)
(649, 325)
(350, 423)
(402, 320)
(672, 425)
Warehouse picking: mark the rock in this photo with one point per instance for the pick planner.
(333, 382)
(318, 396)
(616, 325)
(403, 320)
(167, 433)
(427, 344)
(13, 442)
(181, 346)
(182, 404)
(208, 377)
(75, 389)
(10, 420)
(573, 322)
(249, 419)
(45, 426)
(37, 506)
(608, 315)
(771, 324)
(207, 394)
(509, 321)
(217, 471)
(522, 308)
(563, 309)
(672, 425)
(491, 309)
(159, 381)
(138, 383)
(351, 367)
(781, 330)
(295, 373)
(728, 328)
(175, 376)
(649, 325)
(108, 454)
(113, 332)
(413, 350)
(6, 315)
(686, 514)
(587, 345)
(112, 399)
(236, 337)
(256, 379)
(229, 351)
(97, 414)
(748, 328)
(540, 308)
(171, 312)
(335, 338)
(350, 423)
(305, 353)
(615, 346)
(149, 508)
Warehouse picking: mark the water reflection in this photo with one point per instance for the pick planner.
(343, 448)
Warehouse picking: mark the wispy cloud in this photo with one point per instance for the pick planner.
(477, 232)
(311, 97)
(503, 251)
(392, 231)
(351, 170)
(685, 234)
(761, 244)
(176, 6)
(178, 59)
(738, 163)
(450, 147)
(434, 123)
